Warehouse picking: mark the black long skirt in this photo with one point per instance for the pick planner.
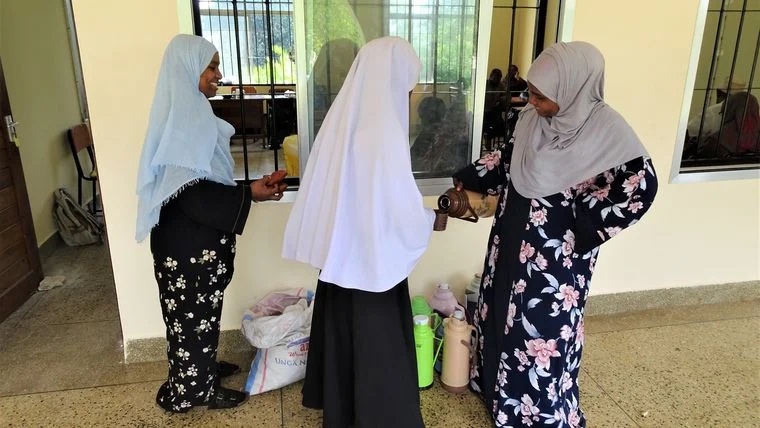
(362, 366)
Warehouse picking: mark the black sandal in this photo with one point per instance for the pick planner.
(225, 398)
(225, 369)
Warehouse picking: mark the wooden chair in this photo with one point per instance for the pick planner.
(79, 139)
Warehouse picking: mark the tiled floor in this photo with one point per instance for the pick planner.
(60, 360)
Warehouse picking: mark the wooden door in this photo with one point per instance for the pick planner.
(20, 267)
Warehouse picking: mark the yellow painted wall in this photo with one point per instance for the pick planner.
(702, 233)
(185, 16)
(39, 72)
(696, 234)
(120, 62)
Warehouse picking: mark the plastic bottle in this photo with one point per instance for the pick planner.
(443, 300)
(423, 342)
(455, 375)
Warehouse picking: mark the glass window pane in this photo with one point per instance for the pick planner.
(443, 32)
(722, 130)
(262, 121)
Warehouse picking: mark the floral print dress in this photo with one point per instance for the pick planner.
(193, 249)
(536, 278)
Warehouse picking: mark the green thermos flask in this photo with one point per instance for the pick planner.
(423, 342)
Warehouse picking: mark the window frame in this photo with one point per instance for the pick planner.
(709, 173)
(427, 186)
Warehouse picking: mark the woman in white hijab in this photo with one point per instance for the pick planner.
(574, 176)
(192, 208)
(359, 219)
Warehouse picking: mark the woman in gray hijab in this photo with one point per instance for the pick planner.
(574, 176)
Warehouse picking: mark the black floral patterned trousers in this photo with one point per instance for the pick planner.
(191, 287)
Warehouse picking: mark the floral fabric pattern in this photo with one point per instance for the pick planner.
(191, 289)
(541, 254)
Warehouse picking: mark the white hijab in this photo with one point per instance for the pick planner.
(585, 138)
(185, 142)
(358, 215)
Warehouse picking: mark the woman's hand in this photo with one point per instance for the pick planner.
(457, 184)
(269, 188)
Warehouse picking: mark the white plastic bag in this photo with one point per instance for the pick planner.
(278, 325)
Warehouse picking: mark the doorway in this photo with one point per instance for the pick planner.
(20, 267)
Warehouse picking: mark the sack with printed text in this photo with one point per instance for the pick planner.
(278, 326)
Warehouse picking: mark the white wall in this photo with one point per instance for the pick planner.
(696, 234)
(39, 73)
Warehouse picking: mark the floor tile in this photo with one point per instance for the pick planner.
(95, 302)
(699, 374)
(57, 357)
(10, 326)
(672, 316)
(439, 409)
(600, 409)
(79, 356)
(130, 405)
(294, 415)
(443, 409)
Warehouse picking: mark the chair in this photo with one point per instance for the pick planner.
(79, 139)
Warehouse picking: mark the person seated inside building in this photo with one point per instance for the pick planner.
(739, 132)
(431, 111)
(495, 105)
(516, 86)
(703, 125)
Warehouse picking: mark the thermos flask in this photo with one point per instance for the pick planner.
(465, 205)
(456, 353)
(424, 344)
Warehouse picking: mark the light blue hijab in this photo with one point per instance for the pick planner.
(185, 142)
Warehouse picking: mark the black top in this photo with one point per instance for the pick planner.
(200, 214)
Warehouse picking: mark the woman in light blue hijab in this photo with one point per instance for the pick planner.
(190, 204)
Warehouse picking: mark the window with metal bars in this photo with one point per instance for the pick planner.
(441, 33)
(256, 44)
(723, 129)
(215, 20)
(253, 37)
(521, 29)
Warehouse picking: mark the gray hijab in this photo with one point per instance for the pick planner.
(585, 138)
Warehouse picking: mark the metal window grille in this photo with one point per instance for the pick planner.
(438, 30)
(256, 40)
(217, 24)
(544, 34)
(722, 133)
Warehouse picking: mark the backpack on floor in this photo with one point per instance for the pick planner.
(75, 224)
